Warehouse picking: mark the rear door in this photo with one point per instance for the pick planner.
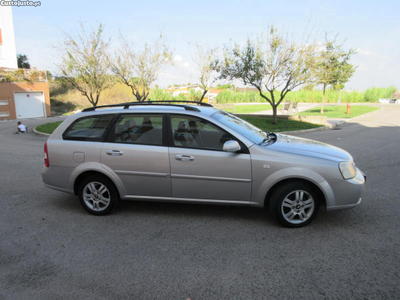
(136, 150)
(199, 167)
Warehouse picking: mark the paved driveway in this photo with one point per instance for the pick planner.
(51, 249)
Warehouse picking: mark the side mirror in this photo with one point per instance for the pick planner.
(231, 146)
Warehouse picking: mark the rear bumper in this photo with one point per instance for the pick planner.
(59, 189)
(57, 178)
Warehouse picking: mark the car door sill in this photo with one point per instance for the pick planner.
(154, 174)
(210, 178)
(188, 200)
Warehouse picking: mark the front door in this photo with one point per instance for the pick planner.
(136, 150)
(199, 167)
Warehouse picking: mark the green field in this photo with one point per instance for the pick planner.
(48, 128)
(282, 124)
(245, 109)
(339, 112)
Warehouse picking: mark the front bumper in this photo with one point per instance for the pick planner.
(347, 192)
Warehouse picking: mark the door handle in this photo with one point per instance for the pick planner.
(114, 152)
(184, 158)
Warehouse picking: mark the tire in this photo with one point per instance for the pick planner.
(295, 204)
(98, 194)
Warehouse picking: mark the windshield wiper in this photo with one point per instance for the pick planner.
(269, 137)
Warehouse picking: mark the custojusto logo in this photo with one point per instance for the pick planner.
(20, 3)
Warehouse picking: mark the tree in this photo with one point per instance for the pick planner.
(23, 61)
(273, 63)
(308, 87)
(225, 86)
(138, 69)
(84, 62)
(333, 67)
(194, 95)
(204, 58)
(49, 76)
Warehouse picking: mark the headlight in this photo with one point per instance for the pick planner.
(348, 169)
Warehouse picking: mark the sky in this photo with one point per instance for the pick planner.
(370, 27)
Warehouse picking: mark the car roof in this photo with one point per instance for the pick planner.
(193, 110)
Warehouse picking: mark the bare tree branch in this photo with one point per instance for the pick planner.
(139, 69)
(205, 57)
(84, 64)
(273, 63)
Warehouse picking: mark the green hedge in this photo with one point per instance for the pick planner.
(315, 96)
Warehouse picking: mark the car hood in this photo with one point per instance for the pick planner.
(302, 146)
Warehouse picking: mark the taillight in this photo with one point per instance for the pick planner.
(46, 156)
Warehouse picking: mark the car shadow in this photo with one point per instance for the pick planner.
(156, 209)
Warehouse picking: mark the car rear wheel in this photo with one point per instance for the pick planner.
(98, 195)
(295, 204)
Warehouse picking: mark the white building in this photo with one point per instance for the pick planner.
(8, 53)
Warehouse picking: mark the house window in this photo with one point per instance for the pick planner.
(4, 113)
(3, 102)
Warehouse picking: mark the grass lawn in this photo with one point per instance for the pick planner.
(262, 123)
(48, 128)
(339, 111)
(282, 124)
(246, 109)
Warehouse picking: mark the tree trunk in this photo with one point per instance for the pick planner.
(323, 99)
(274, 114)
(202, 96)
(97, 98)
(90, 98)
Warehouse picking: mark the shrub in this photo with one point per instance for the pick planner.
(315, 96)
(374, 94)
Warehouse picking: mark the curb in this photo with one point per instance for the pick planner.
(40, 133)
(309, 130)
(370, 113)
(341, 121)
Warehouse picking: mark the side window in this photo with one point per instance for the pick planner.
(193, 132)
(88, 128)
(139, 129)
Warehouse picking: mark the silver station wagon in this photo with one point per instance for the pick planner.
(197, 154)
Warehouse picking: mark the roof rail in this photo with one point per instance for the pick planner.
(126, 105)
(178, 101)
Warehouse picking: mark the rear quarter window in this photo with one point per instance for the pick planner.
(88, 128)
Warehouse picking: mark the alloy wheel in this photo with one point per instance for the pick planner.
(297, 207)
(96, 196)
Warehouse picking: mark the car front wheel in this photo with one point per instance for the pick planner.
(98, 195)
(295, 204)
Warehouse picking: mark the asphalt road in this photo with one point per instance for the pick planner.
(50, 248)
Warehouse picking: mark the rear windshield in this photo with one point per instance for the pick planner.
(88, 128)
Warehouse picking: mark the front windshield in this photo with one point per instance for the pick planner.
(254, 134)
